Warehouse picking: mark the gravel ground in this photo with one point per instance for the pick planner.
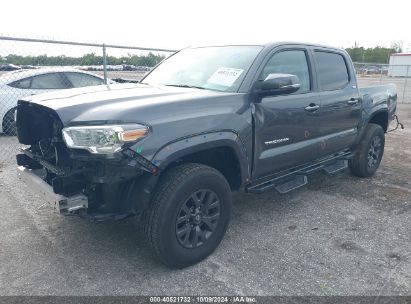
(340, 235)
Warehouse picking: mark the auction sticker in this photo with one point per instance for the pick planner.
(225, 76)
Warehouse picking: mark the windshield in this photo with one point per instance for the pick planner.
(215, 68)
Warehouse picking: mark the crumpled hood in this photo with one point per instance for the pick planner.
(118, 102)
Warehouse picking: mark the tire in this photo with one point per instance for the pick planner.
(171, 224)
(369, 152)
(9, 124)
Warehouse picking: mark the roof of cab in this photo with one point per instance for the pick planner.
(273, 44)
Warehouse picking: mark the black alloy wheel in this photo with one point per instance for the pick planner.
(368, 154)
(197, 218)
(188, 214)
(374, 152)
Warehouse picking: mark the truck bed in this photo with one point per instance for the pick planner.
(373, 96)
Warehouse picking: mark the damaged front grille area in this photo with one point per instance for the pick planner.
(40, 127)
(46, 161)
(110, 183)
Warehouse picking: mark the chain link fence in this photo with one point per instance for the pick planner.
(35, 66)
(370, 74)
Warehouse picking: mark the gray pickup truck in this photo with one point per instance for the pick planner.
(203, 123)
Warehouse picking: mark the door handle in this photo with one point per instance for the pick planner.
(312, 107)
(353, 101)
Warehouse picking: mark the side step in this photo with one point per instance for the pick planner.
(294, 178)
(282, 185)
(297, 182)
(339, 165)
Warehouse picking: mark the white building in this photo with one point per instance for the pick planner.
(400, 63)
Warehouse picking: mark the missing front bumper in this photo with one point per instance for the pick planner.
(63, 204)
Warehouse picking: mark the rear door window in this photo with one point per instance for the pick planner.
(83, 80)
(50, 81)
(332, 71)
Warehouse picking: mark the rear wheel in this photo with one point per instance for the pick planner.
(189, 214)
(369, 153)
(9, 124)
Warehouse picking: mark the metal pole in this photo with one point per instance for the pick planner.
(382, 68)
(86, 44)
(405, 84)
(105, 63)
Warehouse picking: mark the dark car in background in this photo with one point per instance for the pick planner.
(9, 67)
(369, 70)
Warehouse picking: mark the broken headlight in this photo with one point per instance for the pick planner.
(103, 139)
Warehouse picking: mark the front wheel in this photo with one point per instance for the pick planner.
(9, 123)
(189, 214)
(369, 152)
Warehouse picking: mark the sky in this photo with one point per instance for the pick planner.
(176, 24)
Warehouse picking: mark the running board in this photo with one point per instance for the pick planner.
(339, 165)
(294, 178)
(297, 182)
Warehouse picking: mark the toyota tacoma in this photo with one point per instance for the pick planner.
(205, 122)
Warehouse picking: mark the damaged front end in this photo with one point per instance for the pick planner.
(76, 180)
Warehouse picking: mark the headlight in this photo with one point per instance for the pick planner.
(103, 139)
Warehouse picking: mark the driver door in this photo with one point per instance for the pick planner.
(286, 126)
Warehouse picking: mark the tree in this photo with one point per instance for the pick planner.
(376, 54)
(150, 59)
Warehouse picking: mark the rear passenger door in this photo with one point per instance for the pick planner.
(340, 109)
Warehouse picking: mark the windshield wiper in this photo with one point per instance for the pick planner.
(184, 86)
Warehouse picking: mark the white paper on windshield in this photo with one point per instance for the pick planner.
(225, 76)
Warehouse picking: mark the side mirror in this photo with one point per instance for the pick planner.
(277, 84)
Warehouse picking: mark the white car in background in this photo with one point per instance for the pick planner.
(18, 84)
